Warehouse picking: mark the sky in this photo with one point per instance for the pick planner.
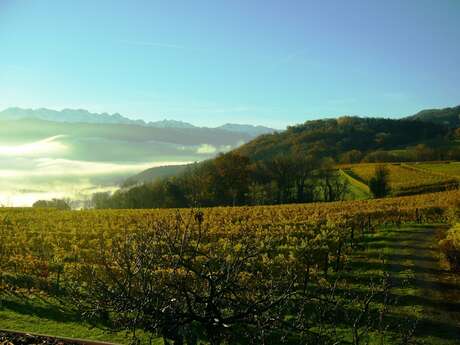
(209, 62)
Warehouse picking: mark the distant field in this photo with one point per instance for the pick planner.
(410, 178)
(358, 189)
(450, 169)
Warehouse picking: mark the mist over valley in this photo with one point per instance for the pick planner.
(44, 156)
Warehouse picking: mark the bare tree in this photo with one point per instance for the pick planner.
(183, 281)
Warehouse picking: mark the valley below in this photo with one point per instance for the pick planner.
(42, 157)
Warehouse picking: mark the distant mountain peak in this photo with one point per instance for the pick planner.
(166, 123)
(249, 129)
(84, 116)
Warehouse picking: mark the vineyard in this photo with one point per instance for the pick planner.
(451, 169)
(407, 179)
(214, 270)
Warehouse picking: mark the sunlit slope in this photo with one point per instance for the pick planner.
(404, 178)
(445, 168)
(358, 190)
(335, 137)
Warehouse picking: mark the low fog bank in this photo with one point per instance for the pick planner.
(24, 183)
(59, 168)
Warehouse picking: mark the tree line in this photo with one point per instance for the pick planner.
(233, 179)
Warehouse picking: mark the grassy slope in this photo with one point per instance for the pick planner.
(426, 293)
(358, 189)
(406, 178)
(36, 313)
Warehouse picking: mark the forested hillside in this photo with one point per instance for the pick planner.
(351, 139)
(447, 116)
(153, 174)
(294, 166)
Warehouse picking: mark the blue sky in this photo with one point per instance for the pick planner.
(247, 61)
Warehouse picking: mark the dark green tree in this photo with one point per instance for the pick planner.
(59, 204)
(379, 184)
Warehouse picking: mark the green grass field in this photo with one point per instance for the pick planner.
(40, 314)
(426, 294)
(358, 189)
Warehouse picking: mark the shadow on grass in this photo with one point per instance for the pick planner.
(410, 256)
(397, 268)
(387, 238)
(399, 246)
(424, 327)
(364, 279)
(402, 257)
(40, 308)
